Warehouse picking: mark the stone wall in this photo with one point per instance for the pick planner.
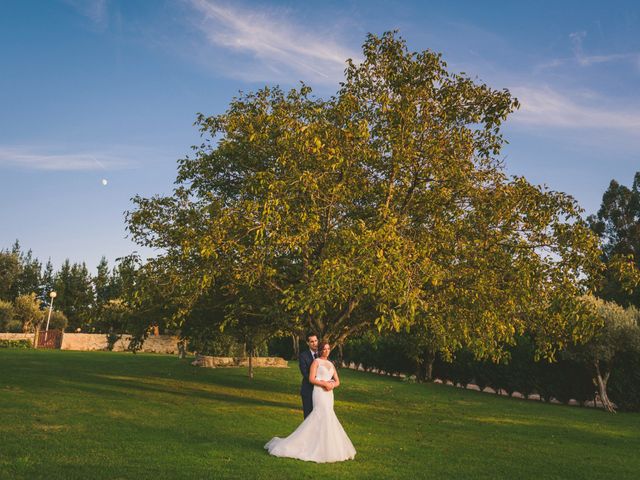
(17, 336)
(84, 341)
(98, 341)
(215, 362)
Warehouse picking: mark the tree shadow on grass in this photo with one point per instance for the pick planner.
(80, 366)
(124, 389)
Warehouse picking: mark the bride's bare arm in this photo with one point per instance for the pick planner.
(336, 379)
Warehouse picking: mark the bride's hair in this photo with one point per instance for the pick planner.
(321, 346)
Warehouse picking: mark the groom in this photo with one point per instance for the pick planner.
(306, 359)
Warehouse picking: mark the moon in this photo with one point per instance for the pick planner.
(104, 182)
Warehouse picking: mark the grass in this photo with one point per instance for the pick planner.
(110, 415)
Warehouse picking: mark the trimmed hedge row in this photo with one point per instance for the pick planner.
(562, 380)
(624, 383)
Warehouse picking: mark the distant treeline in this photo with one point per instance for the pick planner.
(83, 301)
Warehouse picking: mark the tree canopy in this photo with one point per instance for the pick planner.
(618, 225)
(385, 206)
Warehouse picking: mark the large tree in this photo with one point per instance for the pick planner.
(384, 206)
(19, 273)
(101, 284)
(10, 270)
(618, 225)
(75, 296)
(29, 280)
(46, 282)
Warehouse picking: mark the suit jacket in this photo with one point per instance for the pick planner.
(305, 361)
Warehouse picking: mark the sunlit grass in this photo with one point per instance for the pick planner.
(117, 415)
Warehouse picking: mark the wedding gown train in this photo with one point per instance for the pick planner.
(320, 437)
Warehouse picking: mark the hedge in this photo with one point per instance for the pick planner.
(562, 380)
(15, 344)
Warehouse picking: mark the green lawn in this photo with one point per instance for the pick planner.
(118, 415)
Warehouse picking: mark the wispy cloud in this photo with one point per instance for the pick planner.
(41, 159)
(587, 60)
(277, 47)
(95, 10)
(546, 107)
(583, 59)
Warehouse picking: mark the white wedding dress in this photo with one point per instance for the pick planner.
(320, 438)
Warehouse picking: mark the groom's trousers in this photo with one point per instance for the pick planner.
(306, 392)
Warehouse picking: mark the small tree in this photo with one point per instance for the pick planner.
(619, 331)
(27, 312)
(252, 317)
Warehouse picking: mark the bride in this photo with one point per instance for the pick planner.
(320, 438)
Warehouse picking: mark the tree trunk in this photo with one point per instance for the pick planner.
(296, 346)
(429, 360)
(601, 382)
(251, 363)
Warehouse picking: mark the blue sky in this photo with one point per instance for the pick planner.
(109, 89)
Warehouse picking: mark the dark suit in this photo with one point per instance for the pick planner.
(306, 389)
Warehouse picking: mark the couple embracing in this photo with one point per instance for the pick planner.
(320, 437)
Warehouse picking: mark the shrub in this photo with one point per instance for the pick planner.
(461, 371)
(522, 368)
(58, 320)
(15, 344)
(624, 383)
(485, 375)
(14, 326)
(112, 338)
(282, 346)
(363, 351)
